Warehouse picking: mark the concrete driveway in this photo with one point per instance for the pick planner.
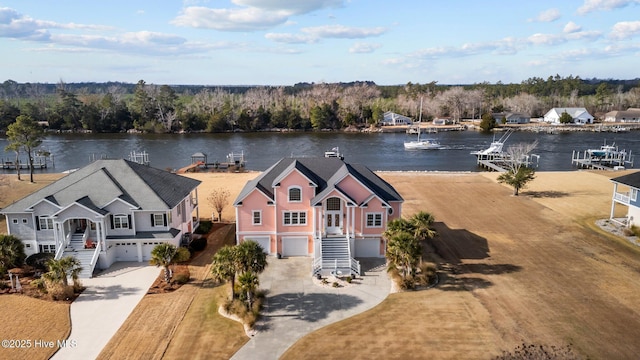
(296, 306)
(105, 304)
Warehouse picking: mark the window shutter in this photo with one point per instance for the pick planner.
(129, 218)
(37, 223)
(111, 216)
(153, 223)
(165, 219)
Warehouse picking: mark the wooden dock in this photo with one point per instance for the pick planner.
(501, 162)
(614, 161)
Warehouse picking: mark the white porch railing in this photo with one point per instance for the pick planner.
(316, 265)
(622, 198)
(62, 245)
(94, 258)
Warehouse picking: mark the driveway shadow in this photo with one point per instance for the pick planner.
(106, 292)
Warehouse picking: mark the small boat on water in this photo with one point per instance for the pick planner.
(334, 153)
(496, 146)
(421, 144)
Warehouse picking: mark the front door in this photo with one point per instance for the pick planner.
(333, 216)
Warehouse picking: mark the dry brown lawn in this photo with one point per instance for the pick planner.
(531, 268)
(515, 269)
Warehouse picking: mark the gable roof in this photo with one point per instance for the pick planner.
(324, 173)
(632, 179)
(99, 183)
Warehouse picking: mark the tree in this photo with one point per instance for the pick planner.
(25, 133)
(487, 123)
(404, 251)
(223, 266)
(166, 254)
(565, 118)
(231, 262)
(422, 222)
(11, 253)
(219, 198)
(518, 178)
(249, 282)
(518, 172)
(60, 270)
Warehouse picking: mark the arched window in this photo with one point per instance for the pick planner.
(333, 203)
(295, 194)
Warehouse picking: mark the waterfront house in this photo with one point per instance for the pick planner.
(325, 208)
(631, 115)
(391, 118)
(580, 115)
(107, 211)
(512, 118)
(625, 193)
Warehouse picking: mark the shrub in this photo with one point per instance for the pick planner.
(39, 261)
(198, 244)
(635, 230)
(40, 285)
(59, 291)
(204, 227)
(181, 278)
(426, 274)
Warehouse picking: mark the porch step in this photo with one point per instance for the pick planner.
(335, 249)
(84, 257)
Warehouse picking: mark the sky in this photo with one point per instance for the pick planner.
(284, 42)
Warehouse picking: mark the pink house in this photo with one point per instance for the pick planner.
(319, 207)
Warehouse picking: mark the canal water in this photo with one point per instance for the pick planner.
(378, 151)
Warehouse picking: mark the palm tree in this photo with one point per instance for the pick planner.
(249, 282)
(422, 222)
(518, 179)
(404, 251)
(166, 254)
(251, 257)
(11, 253)
(223, 266)
(59, 270)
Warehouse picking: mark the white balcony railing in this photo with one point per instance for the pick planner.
(622, 198)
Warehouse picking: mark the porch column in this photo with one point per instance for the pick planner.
(613, 201)
(139, 247)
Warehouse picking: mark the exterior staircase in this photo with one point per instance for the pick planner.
(336, 258)
(76, 249)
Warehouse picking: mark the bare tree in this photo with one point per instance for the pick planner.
(218, 199)
(519, 172)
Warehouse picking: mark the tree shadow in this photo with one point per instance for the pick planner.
(454, 248)
(305, 307)
(545, 194)
(92, 293)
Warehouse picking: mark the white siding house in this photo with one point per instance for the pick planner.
(108, 211)
(630, 115)
(391, 118)
(579, 115)
(626, 192)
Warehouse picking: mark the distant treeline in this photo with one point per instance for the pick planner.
(119, 107)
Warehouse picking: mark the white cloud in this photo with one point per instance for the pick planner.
(291, 38)
(571, 27)
(343, 32)
(596, 5)
(248, 19)
(290, 6)
(625, 29)
(363, 48)
(547, 16)
(546, 39)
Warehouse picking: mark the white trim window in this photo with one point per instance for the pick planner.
(295, 194)
(121, 221)
(45, 223)
(374, 220)
(48, 249)
(294, 218)
(158, 220)
(257, 217)
(634, 194)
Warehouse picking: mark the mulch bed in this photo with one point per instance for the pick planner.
(26, 275)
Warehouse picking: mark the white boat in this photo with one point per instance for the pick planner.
(335, 152)
(421, 144)
(606, 151)
(496, 146)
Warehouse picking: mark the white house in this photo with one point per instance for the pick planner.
(108, 211)
(625, 193)
(579, 115)
(631, 115)
(512, 118)
(391, 118)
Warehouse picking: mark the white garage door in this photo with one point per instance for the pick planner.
(294, 246)
(126, 251)
(264, 241)
(147, 247)
(367, 248)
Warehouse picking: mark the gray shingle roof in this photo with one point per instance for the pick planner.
(102, 181)
(324, 172)
(632, 179)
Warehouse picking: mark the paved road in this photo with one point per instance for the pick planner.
(102, 308)
(296, 305)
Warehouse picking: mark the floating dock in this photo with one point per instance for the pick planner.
(40, 162)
